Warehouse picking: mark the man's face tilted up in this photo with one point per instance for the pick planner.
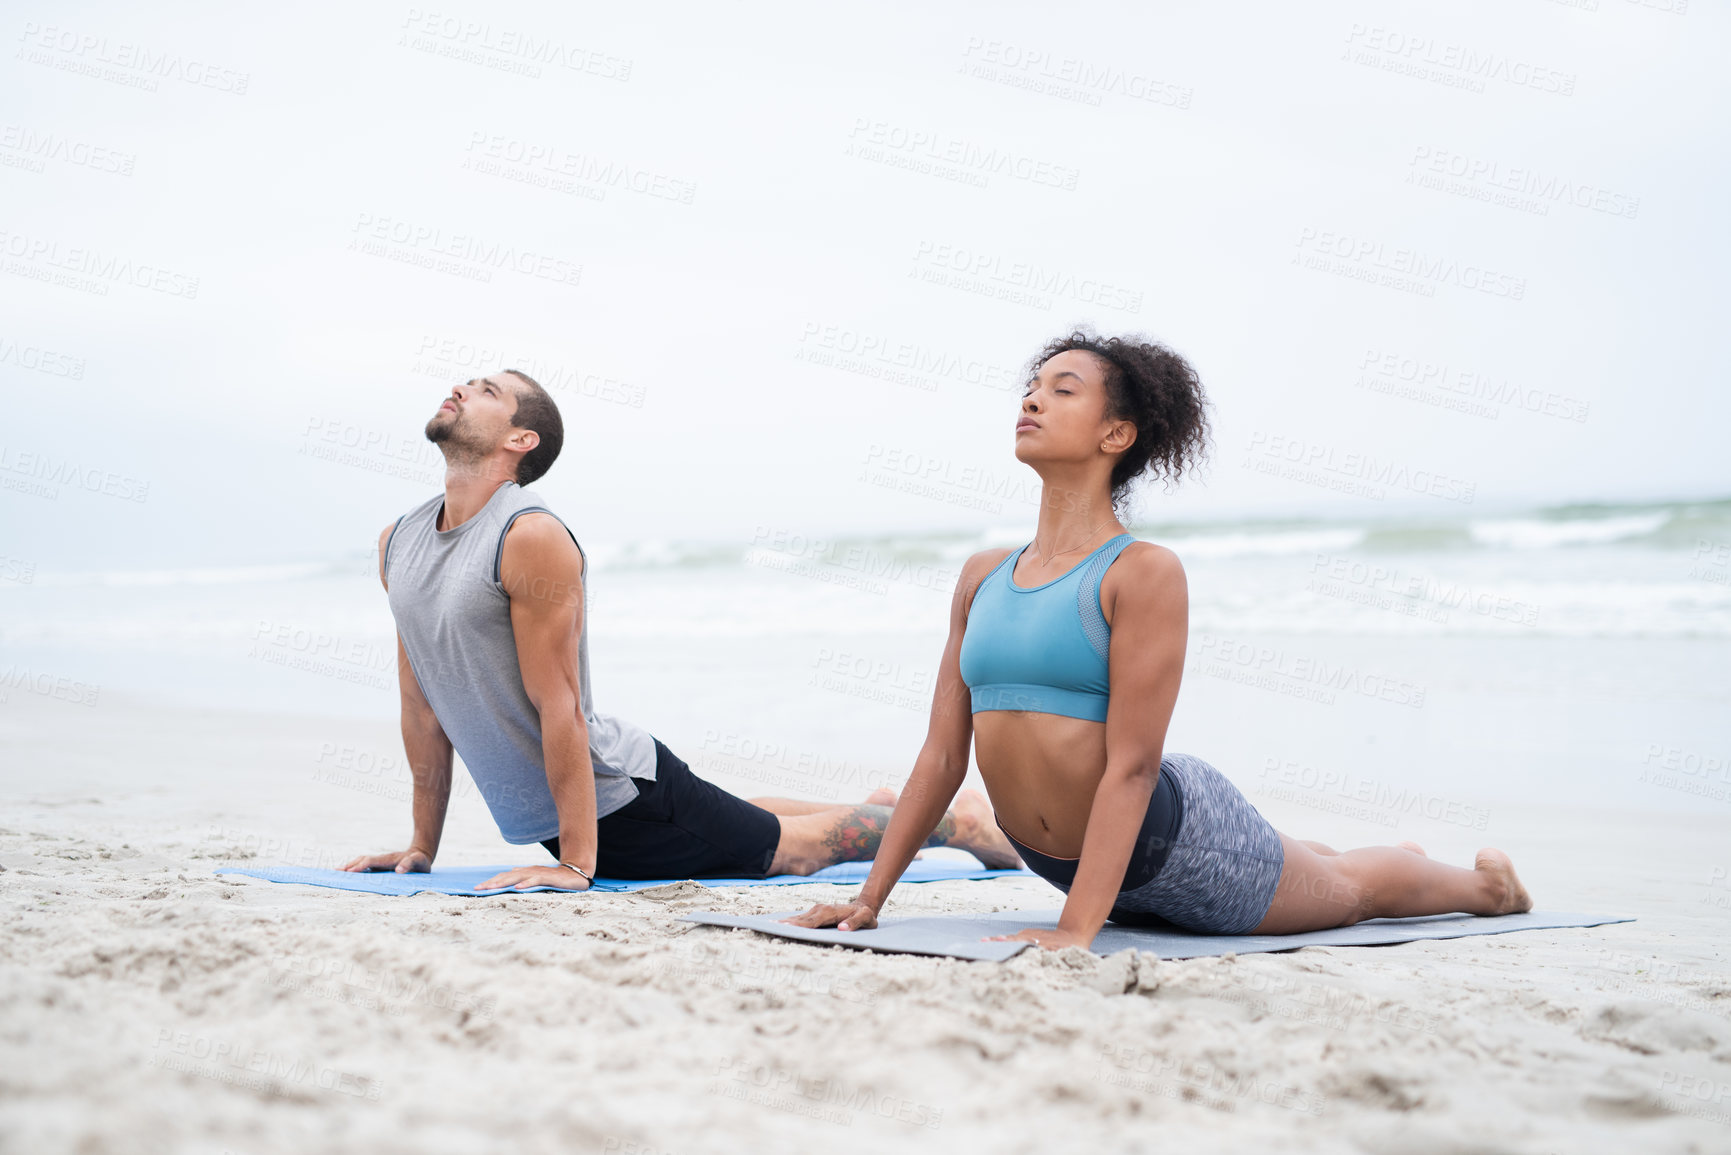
(475, 420)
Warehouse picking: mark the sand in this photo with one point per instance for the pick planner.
(148, 1005)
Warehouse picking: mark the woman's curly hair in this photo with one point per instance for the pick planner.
(1154, 389)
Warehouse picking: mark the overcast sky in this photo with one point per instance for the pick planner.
(776, 259)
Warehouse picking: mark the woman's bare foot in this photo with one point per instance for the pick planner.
(977, 832)
(1508, 896)
(1414, 847)
(882, 796)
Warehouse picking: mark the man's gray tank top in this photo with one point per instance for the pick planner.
(454, 617)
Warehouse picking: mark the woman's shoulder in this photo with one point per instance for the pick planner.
(1144, 553)
(1146, 565)
(980, 567)
(977, 567)
(974, 573)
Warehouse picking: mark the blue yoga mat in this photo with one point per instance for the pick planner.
(463, 879)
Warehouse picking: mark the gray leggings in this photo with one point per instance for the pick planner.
(1220, 874)
(1223, 868)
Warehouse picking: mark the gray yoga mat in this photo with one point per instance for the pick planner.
(958, 936)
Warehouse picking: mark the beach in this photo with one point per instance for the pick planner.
(151, 1005)
(1393, 324)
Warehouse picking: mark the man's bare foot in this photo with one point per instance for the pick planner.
(1509, 896)
(1414, 847)
(882, 796)
(977, 832)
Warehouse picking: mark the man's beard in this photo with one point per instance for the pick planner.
(454, 441)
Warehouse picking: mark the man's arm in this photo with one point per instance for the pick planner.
(542, 571)
(429, 752)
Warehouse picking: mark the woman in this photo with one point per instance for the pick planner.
(1063, 664)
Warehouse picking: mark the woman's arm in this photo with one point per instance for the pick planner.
(937, 775)
(1149, 612)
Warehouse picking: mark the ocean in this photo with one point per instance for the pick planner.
(1575, 653)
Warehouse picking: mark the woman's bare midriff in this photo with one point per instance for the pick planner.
(1041, 772)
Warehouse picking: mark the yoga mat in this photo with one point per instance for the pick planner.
(463, 879)
(958, 936)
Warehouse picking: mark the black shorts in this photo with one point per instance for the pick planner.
(680, 826)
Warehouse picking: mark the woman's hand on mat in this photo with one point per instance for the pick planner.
(558, 877)
(1050, 939)
(841, 915)
(401, 861)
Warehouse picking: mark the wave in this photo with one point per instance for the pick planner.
(1700, 528)
(1534, 533)
(1227, 545)
(1675, 525)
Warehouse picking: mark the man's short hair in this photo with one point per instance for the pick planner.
(535, 410)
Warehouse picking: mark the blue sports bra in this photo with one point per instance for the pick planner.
(1041, 649)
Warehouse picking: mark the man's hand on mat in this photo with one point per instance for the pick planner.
(841, 915)
(558, 877)
(401, 861)
(1050, 939)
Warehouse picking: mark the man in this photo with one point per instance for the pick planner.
(487, 588)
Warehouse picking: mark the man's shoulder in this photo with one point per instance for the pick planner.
(429, 506)
(425, 512)
(526, 516)
(539, 528)
(536, 543)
